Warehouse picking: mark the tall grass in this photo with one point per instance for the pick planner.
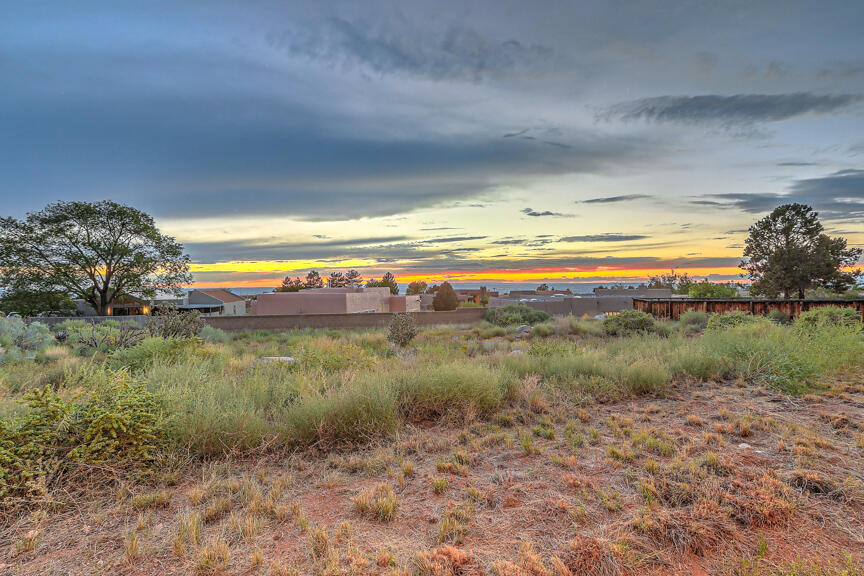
(350, 387)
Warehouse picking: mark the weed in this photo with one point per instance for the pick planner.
(380, 503)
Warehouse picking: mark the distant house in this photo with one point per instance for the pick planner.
(214, 302)
(209, 302)
(124, 306)
(474, 295)
(348, 300)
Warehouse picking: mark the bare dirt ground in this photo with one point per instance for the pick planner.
(711, 479)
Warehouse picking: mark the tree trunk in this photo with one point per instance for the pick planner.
(801, 293)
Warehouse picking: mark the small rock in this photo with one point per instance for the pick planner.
(516, 352)
(744, 446)
(270, 359)
(523, 328)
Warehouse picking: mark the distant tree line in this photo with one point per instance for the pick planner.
(352, 278)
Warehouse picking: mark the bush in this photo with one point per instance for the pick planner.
(779, 317)
(119, 423)
(461, 388)
(17, 338)
(402, 330)
(543, 330)
(150, 350)
(445, 298)
(518, 314)
(730, 320)
(828, 316)
(628, 323)
(694, 319)
(173, 323)
(210, 334)
(352, 415)
(585, 326)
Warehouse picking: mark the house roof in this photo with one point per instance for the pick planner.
(222, 295)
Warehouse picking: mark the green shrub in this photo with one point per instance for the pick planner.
(543, 330)
(730, 319)
(402, 330)
(828, 316)
(18, 338)
(118, 423)
(210, 334)
(779, 317)
(694, 319)
(485, 330)
(174, 323)
(354, 414)
(518, 314)
(150, 350)
(458, 387)
(585, 326)
(628, 322)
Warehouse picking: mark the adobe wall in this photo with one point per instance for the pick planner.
(339, 321)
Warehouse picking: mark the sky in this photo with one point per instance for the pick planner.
(471, 141)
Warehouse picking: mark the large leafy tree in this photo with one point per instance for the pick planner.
(678, 283)
(416, 287)
(99, 252)
(26, 302)
(788, 252)
(445, 298)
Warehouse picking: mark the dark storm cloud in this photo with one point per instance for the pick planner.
(730, 111)
(456, 53)
(611, 237)
(238, 154)
(615, 199)
(542, 213)
(837, 196)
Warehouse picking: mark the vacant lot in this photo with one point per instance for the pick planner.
(678, 449)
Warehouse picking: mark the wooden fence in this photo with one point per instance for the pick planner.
(672, 308)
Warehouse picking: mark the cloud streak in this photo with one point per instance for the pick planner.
(616, 199)
(611, 237)
(456, 53)
(731, 111)
(542, 213)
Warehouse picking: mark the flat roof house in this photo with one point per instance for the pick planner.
(348, 300)
(214, 302)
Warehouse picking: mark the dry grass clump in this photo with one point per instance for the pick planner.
(151, 500)
(188, 532)
(759, 502)
(380, 503)
(590, 556)
(213, 557)
(447, 561)
(453, 524)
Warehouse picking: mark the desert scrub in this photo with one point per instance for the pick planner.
(461, 388)
(402, 330)
(150, 350)
(513, 315)
(18, 339)
(354, 414)
(822, 317)
(628, 323)
(730, 320)
(695, 320)
(118, 423)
